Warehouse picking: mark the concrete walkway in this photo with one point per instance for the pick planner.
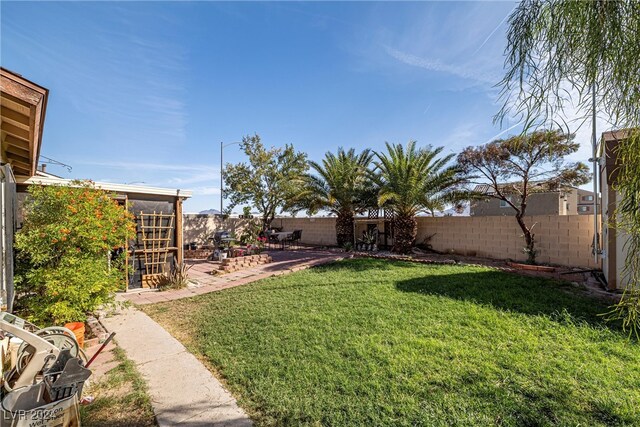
(183, 392)
(200, 272)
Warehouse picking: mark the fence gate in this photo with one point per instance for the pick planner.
(156, 231)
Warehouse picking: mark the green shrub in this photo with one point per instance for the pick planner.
(66, 252)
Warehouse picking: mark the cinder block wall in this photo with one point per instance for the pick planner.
(563, 240)
(198, 228)
(315, 231)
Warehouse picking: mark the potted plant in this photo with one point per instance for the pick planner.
(369, 239)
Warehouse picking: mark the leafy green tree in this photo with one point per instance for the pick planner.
(64, 264)
(566, 53)
(411, 180)
(340, 185)
(517, 167)
(269, 180)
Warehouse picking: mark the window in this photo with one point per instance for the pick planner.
(588, 198)
(584, 208)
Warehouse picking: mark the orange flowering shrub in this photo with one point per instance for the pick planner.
(65, 267)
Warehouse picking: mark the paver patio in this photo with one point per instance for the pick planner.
(283, 262)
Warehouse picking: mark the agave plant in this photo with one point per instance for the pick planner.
(339, 184)
(412, 180)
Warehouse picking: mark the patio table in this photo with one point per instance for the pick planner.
(282, 237)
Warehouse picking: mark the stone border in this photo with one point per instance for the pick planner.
(531, 267)
(98, 331)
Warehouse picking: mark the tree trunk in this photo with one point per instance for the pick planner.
(344, 228)
(406, 229)
(529, 239)
(266, 222)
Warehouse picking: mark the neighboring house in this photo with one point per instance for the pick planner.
(613, 243)
(585, 202)
(572, 201)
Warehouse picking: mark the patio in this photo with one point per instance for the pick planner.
(203, 282)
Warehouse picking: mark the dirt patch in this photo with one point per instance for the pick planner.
(120, 398)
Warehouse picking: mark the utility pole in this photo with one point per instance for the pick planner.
(596, 169)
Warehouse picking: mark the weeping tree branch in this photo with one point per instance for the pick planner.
(564, 56)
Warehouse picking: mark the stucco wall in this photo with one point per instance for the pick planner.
(562, 239)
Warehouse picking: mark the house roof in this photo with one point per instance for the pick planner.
(22, 107)
(509, 187)
(47, 179)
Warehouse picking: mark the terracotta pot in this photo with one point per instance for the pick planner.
(78, 330)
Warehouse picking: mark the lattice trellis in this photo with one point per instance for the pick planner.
(156, 231)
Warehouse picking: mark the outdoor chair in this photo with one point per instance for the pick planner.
(271, 238)
(297, 236)
(293, 239)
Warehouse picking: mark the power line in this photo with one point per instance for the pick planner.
(51, 161)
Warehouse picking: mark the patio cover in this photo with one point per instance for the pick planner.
(22, 108)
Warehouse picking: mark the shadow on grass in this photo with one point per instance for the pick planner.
(510, 292)
(366, 264)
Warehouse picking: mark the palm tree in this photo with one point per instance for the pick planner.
(412, 180)
(341, 186)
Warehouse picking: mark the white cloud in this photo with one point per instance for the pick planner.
(205, 191)
(499, 134)
(462, 135)
(208, 176)
(150, 166)
(439, 66)
(486, 40)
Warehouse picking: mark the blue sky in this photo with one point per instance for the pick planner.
(145, 92)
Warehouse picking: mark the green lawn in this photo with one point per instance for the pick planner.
(370, 342)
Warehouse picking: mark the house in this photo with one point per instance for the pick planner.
(23, 104)
(572, 201)
(585, 202)
(156, 210)
(614, 251)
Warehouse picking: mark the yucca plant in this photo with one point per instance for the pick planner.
(177, 278)
(339, 184)
(412, 180)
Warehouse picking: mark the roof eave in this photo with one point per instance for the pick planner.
(108, 186)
